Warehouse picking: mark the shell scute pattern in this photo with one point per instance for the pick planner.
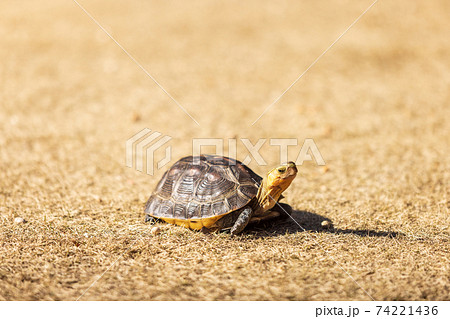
(214, 184)
(166, 209)
(202, 187)
(193, 211)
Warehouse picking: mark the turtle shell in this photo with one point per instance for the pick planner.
(198, 191)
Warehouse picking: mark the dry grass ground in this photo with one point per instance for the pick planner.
(377, 105)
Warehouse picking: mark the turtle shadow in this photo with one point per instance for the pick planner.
(301, 221)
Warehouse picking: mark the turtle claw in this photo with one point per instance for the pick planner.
(150, 219)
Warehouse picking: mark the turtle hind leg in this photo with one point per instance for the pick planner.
(205, 230)
(242, 221)
(150, 219)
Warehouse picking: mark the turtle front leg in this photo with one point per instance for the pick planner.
(283, 209)
(242, 221)
(280, 210)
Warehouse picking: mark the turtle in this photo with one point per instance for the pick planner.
(212, 193)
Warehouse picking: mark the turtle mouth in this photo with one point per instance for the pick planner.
(291, 168)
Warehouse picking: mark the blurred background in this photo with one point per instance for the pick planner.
(377, 106)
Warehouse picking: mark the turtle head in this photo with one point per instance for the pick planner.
(274, 184)
(281, 177)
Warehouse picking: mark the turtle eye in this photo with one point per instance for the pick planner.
(281, 169)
